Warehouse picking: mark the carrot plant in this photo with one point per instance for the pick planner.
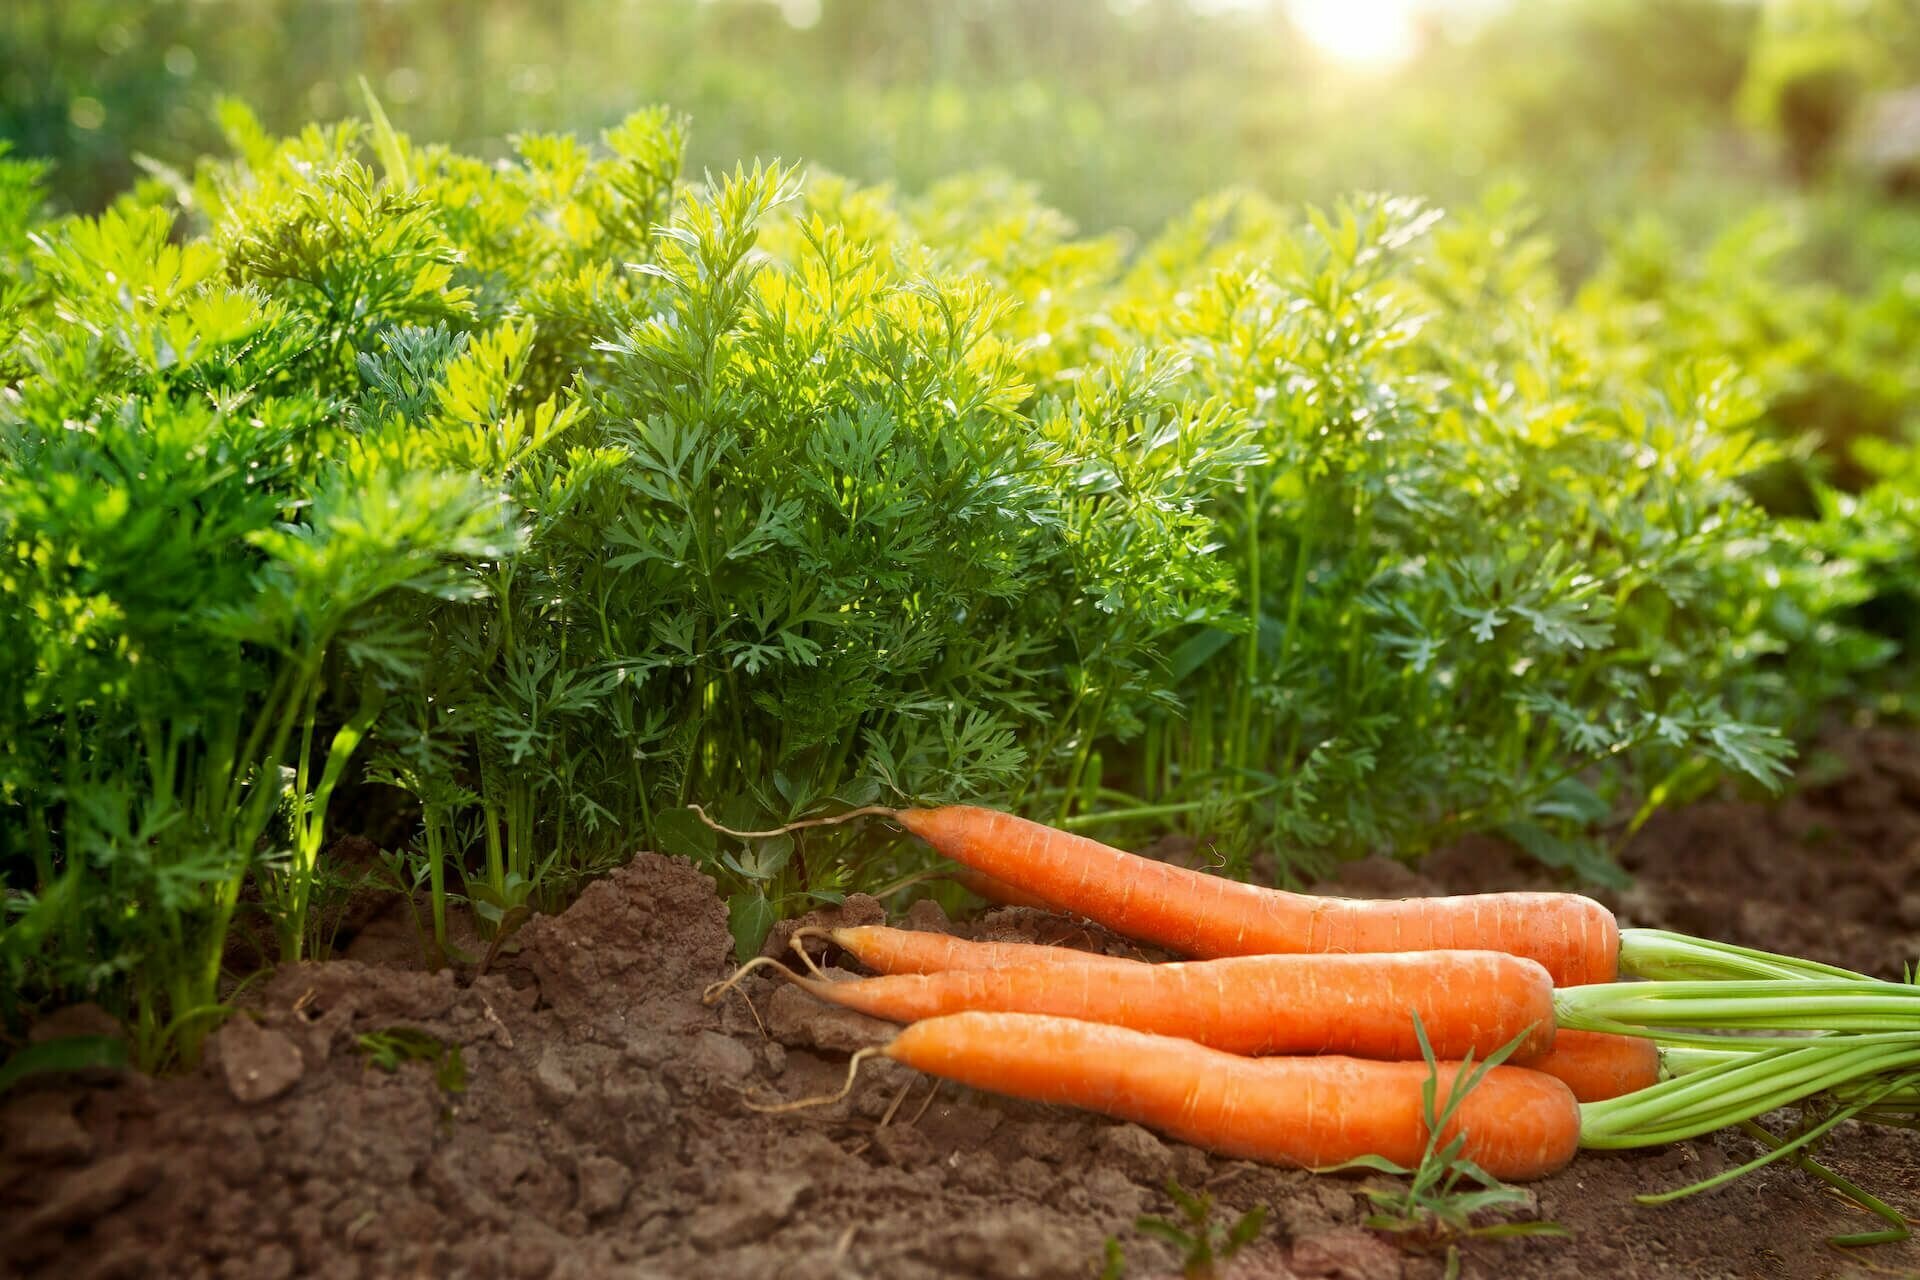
(1482, 568)
(808, 536)
(1203, 1244)
(194, 566)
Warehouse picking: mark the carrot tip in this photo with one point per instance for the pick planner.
(820, 1100)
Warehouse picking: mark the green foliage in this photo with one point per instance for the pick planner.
(1486, 567)
(63, 1055)
(1122, 113)
(389, 1048)
(560, 493)
(1202, 1242)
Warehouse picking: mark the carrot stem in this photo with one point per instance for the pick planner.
(1811, 1004)
(1718, 1096)
(1777, 1149)
(1658, 954)
(1871, 1203)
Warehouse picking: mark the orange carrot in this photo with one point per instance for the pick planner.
(982, 885)
(1468, 1001)
(1596, 1065)
(1205, 915)
(886, 950)
(1313, 1112)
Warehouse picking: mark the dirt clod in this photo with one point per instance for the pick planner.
(1346, 1254)
(40, 1127)
(638, 947)
(721, 1057)
(604, 1185)
(858, 909)
(550, 1078)
(1019, 1244)
(92, 1192)
(257, 1063)
(748, 1207)
(1134, 1152)
(798, 1020)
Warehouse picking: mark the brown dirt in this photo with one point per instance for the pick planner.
(601, 1130)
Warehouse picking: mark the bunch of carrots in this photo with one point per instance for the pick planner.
(1313, 1031)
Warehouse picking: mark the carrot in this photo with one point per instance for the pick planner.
(1311, 1112)
(886, 950)
(1468, 1001)
(1597, 1065)
(997, 891)
(1205, 915)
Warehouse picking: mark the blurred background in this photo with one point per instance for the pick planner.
(1121, 111)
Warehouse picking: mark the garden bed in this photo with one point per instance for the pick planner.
(601, 1131)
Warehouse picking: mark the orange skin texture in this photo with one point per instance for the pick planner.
(982, 885)
(1204, 915)
(1469, 1001)
(1598, 1065)
(1309, 1112)
(888, 950)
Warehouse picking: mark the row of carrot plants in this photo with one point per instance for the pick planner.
(495, 511)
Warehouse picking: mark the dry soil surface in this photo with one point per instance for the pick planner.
(602, 1131)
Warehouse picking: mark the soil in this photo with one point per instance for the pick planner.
(601, 1129)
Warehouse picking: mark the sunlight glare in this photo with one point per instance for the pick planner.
(1361, 33)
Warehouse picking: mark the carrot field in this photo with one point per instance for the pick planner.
(1087, 638)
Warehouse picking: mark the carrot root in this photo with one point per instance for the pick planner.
(998, 891)
(799, 944)
(833, 820)
(818, 1100)
(717, 990)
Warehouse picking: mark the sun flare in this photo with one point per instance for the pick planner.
(1360, 33)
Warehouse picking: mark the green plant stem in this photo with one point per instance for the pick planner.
(436, 823)
(1296, 594)
(1810, 1004)
(1072, 789)
(1776, 1151)
(1659, 954)
(1241, 721)
(1896, 1232)
(1081, 821)
(1726, 1094)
